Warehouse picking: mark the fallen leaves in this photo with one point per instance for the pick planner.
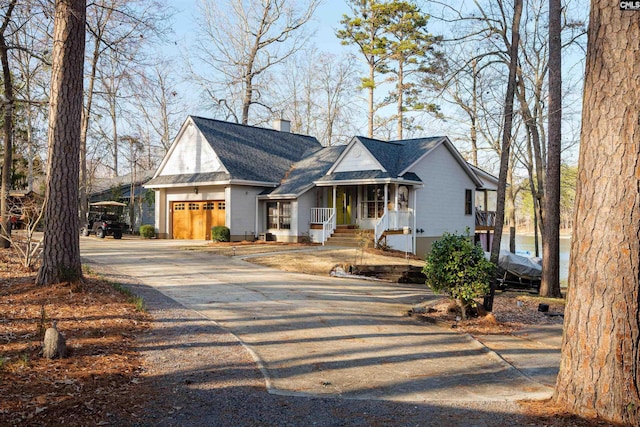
(90, 387)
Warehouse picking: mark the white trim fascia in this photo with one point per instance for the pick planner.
(456, 155)
(214, 183)
(368, 181)
(277, 197)
(253, 183)
(484, 175)
(345, 152)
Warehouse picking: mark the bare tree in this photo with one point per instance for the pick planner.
(317, 93)
(600, 364)
(243, 41)
(118, 28)
(8, 105)
(506, 140)
(61, 251)
(157, 98)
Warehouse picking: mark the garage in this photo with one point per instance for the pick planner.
(193, 220)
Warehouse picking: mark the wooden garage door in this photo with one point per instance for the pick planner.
(193, 220)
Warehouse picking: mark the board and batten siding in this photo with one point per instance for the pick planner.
(441, 202)
(192, 154)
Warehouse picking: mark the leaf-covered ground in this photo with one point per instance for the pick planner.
(90, 387)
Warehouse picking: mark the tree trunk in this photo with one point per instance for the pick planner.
(400, 96)
(474, 115)
(550, 285)
(370, 113)
(600, 365)
(84, 131)
(506, 143)
(7, 108)
(61, 252)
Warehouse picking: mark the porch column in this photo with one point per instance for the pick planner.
(386, 199)
(335, 196)
(395, 202)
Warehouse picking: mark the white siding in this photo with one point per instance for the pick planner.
(305, 202)
(440, 204)
(192, 154)
(357, 158)
(241, 211)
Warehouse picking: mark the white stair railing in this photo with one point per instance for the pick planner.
(328, 226)
(381, 226)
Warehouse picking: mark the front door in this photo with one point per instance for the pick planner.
(345, 199)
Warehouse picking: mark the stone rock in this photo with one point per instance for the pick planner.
(55, 345)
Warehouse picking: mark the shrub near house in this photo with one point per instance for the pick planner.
(220, 234)
(458, 268)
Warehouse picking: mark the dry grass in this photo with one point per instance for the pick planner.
(322, 262)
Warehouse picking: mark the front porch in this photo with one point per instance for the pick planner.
(378, 208)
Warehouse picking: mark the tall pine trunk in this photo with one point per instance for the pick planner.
(550, 285)
(61, 249)
(600, 365)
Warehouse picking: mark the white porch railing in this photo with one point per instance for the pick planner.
(328, 226)
(381, 226)
(320, 215)
(400, 219)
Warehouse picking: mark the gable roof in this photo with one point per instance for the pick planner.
(303, 173)
(247, 153)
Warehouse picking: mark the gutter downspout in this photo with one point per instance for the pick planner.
(415, 216)
(257, 232)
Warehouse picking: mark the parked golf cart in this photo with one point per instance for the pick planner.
(105, 220)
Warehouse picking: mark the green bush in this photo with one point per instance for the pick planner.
(147, 231)
(220, 233)
(458, 268)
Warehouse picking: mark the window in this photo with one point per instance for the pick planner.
(373, 203)
(209, 206)
(178, 206)
(194, 206)
(221, 206)
(468, 206)
(279, 215)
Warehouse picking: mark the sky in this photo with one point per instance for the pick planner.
(325, 22)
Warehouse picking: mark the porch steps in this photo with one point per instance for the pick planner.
(349, 236)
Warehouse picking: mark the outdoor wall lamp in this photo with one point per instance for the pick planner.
(195, 190)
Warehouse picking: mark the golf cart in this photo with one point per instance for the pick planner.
(104, 220)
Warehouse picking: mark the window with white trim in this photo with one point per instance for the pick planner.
(373, 201)
(279, 215)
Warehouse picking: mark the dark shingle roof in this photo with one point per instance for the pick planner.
(396, 156)
(252, 153)
(311, 168)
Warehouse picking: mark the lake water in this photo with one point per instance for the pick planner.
(526, 244)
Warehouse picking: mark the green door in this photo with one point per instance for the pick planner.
(344, 200)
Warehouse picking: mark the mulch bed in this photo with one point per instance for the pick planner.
(92, 386)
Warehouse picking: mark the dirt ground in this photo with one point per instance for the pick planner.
(99, 383)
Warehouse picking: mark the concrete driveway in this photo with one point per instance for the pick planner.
(322, 336)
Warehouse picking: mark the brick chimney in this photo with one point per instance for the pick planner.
(282, 125)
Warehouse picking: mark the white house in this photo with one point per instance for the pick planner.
(266, 182)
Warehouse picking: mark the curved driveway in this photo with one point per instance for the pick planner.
(321, 336)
